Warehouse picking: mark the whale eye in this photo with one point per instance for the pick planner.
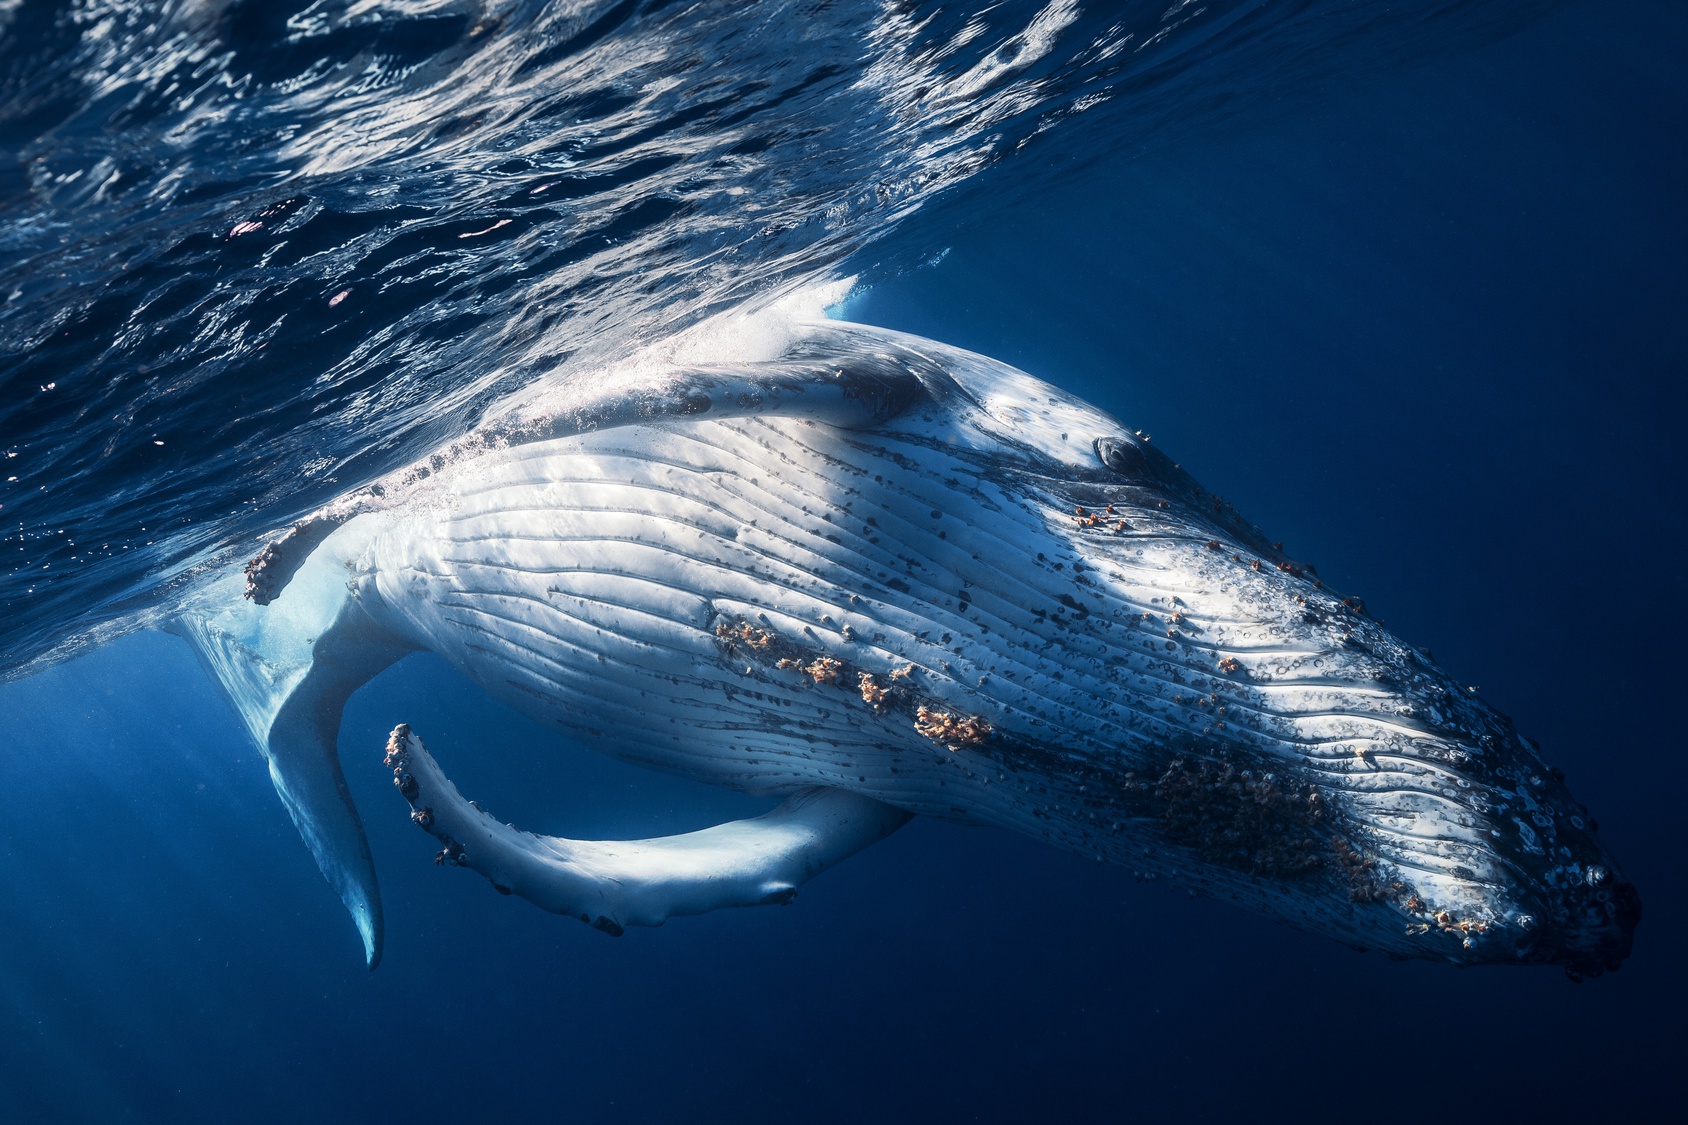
(1122, 457)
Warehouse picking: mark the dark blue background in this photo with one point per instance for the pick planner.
(1426, 327)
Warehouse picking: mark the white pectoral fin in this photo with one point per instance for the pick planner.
(613, 884)
(288, 670)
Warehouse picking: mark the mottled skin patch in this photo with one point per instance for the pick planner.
(953, 731)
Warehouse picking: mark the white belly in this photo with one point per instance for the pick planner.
(583, 581)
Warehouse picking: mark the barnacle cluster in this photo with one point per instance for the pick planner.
(822, 669)
(397, 759)
(1264, 824)
(954, 731)
(889, 692)
(1360, 871)
(1084, 518)
(1465, 927)
(873, 692)
(746, 634)
(397, 756)
(1446, 922)
(260, 584)
(1241, 819)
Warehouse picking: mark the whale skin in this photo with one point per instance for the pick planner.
(877, 577)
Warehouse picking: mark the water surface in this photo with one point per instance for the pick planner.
(1406, 290)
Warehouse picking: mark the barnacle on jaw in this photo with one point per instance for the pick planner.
(1360, 870)
(954, 731)
(1239, 818)
(1464, 927)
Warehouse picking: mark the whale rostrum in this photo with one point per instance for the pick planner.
(877, 577)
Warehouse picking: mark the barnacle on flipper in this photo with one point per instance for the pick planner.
(260, 584)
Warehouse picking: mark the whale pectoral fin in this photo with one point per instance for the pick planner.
(613, 884)
(288, 671)
(272, 568)
(305, 770)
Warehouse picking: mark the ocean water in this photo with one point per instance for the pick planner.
(1407, 286)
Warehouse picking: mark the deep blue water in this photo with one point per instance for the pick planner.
(1410, 294)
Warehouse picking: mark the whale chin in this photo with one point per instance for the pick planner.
(1594, 934)
(878, 577)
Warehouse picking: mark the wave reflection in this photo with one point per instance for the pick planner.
(258, 253)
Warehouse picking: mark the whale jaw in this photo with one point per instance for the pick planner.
(1262, 739)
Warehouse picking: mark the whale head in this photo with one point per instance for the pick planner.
(1199, 706)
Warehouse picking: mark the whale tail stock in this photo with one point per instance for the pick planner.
(287, 671)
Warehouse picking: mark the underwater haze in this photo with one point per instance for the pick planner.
(1405, 283)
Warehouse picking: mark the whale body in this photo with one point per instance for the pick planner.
(878, 577)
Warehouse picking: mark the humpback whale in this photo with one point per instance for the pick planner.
(877, 577)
